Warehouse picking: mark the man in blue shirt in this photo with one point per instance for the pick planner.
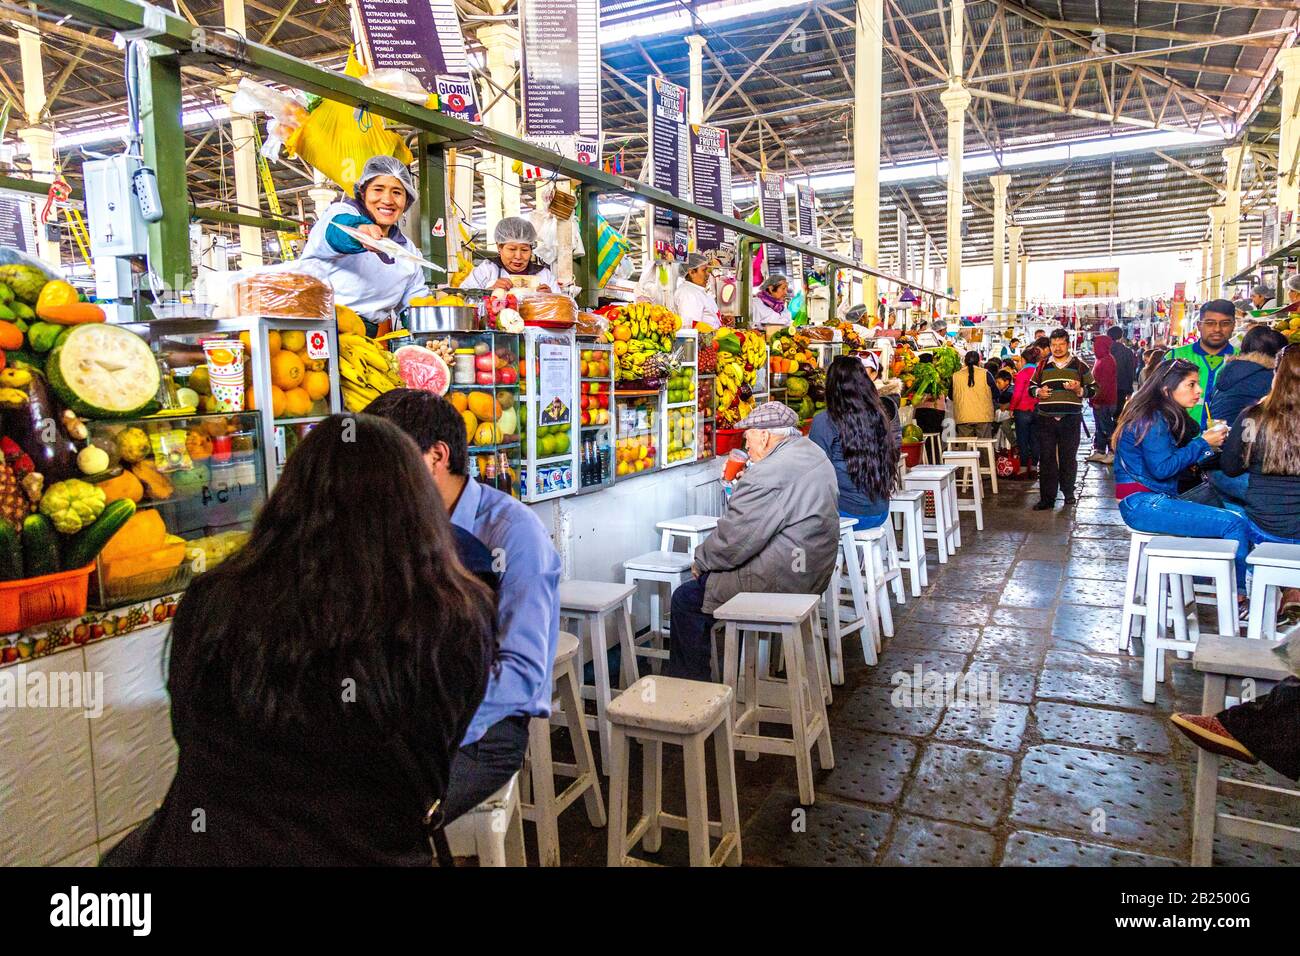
(528, 603)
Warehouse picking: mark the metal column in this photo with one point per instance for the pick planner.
(164, 150)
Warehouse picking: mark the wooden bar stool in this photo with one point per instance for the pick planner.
(691, 529)
(908, 509)
(856, 617)
(1222, 659)
(1169, 561)
(1135, 583)
(685, 713)
(540, 804)
(880, 572)
(938, 482)
(932, 448)
(1275, 566)
(799, 699)
(479, 832)
(968, 462)
(589, 604)
(989, 446)
(665, 571)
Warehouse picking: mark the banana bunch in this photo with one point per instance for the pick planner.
(753, 350)
(365, 371)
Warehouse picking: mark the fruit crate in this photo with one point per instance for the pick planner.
(596, 417)
(679, 418)
(294, 361)
(486, 388)
(550, 414)
(636, 442)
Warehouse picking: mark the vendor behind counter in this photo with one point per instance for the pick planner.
(515, 239)
(692, 300)
(768, 309)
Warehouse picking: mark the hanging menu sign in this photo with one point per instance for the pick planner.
(17, 224)
(422, 37)
(560, 67)
(711, 184)
(806, 213)
(669, 159)
(774, 214)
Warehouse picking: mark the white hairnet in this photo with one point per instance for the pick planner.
(1293, 283)
(774, 280)
(696, 259)
(385, 166)
(514, 229)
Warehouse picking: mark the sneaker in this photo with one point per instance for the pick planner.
(1208, 734)
(1097, 458)
(1069, 501)
(1045, 506)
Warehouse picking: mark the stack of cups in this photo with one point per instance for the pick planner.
(225, 360)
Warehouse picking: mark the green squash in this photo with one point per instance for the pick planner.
(103, 372)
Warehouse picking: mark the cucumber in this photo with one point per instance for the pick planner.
(82, 548)
(11, 552)
(40, 547)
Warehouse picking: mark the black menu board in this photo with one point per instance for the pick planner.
(774, 214)
(669, 158)
(806, 212)
(711, 184)
(17, 224)
(422, 37)
(560, 67)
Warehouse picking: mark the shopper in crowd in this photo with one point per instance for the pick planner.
(972, 393)
(1208, 353)
(1010, 349)
(528, 605)
(1004, 391)
(322, 676)
(855, 433)
(1156, 441)
(889, 393)
(515, 239)
(1060, 383)
(993, 366)
(1262, 299)
(1246, 377)
(371, 283)
(780, 533)
(1104, 400)
(768, 308)
(1126, 367)
(1022, 411)
(694, 302)
(1292, 288)
(1151, 360)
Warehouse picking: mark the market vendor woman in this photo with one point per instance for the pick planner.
(768, 309)
(515, 238)
(694, 302)
(375, 285)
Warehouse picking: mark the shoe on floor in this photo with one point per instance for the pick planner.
(1044, 506)
(1208, 734)
(1108, 458)
(1069, 501)
(1097, 458)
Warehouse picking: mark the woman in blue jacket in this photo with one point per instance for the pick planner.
(1155, 441)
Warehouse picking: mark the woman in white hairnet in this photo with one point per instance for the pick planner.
(373, 284)
(515, 238)
(768, 308)
(693, 300)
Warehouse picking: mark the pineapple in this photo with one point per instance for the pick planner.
(13, 500)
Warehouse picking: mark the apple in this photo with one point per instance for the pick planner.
(485, 363)
(486, 378)
(8, 654)
(586, 418)
(81, 634)
(96, 632)
(506, 376)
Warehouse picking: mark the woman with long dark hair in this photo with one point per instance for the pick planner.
(322, 677)
(854, 431)
(1155, 441)
(972, 398)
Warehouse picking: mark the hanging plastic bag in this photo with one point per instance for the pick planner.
(611, 249)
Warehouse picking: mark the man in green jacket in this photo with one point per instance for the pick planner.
(1209, 351)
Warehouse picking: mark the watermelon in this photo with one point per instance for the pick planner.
(421, 368)
(103, 371)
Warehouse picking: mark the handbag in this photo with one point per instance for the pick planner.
(1008, 463)
(1203, 493)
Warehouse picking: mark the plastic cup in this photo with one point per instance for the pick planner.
(735, 464)
(225, 361)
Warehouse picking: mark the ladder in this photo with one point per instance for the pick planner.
(287, 252)
(80, 234)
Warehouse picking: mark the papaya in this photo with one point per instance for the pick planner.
(82, 547)
(77, 313)
(124, 486)
(155, 482)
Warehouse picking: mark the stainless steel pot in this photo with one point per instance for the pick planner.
(442, 318)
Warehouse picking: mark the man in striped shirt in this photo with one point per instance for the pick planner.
(1061, 384)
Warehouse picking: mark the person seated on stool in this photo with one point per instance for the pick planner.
(528, 605)
(780, 533)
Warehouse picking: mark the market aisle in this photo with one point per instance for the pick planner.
(1070, 768)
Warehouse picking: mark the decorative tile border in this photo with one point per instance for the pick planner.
(89, 628)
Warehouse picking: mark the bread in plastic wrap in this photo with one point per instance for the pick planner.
(591, 325)
(550, 308)
(288, 290)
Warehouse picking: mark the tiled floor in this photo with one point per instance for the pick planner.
(1071, 767)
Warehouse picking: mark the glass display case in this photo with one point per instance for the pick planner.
(486, 384)
(549, 414)
(197, 481)
(636, 441)
(705, 413)
(678, 438)
(596, 417)
(292, 361)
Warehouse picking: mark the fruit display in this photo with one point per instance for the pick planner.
(635, 448)
(791, 354)
(104, 372)
(681, 435)
(594, 402)
(903, 367)
(642, 338)
(740, 354)
(1289, 325)
(852, 337)
(933, 379)
(681, 386)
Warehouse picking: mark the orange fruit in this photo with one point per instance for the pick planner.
(297, 403)
(286, 370)
(484, 406)
(272, 342)
(293, 341)
(317, 384)
(458, 401)
(471, 425)
(277, 401)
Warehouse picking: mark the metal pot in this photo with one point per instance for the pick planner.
(441, 318)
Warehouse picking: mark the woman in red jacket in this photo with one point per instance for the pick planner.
(1105, 373)
(1022, 409)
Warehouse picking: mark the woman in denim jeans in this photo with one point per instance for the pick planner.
(1022, 410)
(1155, 441)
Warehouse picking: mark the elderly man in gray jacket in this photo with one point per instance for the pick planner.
(780, 534)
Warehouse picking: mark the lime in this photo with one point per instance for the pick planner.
(561, 443)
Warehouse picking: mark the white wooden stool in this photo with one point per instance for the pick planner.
(880, 571)
(939, 484)
(908, 508)
(932, 449)
(666, 571)
(843, 620)
(799, 699)
(589, 604)
(1222, 659)
(686, 713)
(540, 803)
(1169, 561)
(990, 448)
(1135, 582)
(1274, 566)
(493, 831)
(969, 464)
(691, 529)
